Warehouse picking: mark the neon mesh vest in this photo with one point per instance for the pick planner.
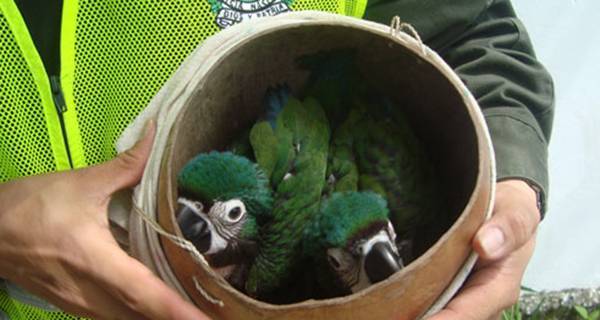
(114, 56)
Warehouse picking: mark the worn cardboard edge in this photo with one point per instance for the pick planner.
(163, 95)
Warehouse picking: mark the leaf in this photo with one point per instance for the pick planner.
(527, 289)
(537, 314)
(583, 313)
(595, 315)
(513, 313)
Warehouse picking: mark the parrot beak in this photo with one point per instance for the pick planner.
(194, 227)
(381, 262)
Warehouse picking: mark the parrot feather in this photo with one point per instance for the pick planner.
(302, 134)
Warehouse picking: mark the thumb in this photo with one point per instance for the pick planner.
(513, 223)
(127, 168)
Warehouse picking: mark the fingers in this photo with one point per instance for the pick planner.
(137, 288)
(125, 170)
(490, 290)
(505, 243)
(513, 222)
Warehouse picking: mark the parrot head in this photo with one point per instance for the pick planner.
(221, 199)
(355, 237)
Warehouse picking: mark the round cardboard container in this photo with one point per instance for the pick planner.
(225, 98)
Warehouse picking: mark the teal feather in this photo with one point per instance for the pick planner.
(219, 176)
(343, 217)
(275, 99)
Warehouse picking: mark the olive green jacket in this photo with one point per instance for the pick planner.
(488, 47)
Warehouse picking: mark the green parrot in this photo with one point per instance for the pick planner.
(341, 240)
(291, 147)
(352, 243)
(274, 100)
(373, 143)
(222, 197)
(392, 161)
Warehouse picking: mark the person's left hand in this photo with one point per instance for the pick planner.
(505, 245)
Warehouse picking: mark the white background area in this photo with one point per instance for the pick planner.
(566, 36)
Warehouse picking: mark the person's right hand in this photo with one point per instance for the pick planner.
(55, 242)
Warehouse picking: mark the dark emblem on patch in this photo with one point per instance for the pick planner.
(230, 12)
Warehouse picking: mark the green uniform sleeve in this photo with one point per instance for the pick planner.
(494, 56)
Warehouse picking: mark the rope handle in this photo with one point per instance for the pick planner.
(397, 27)
(182, 243)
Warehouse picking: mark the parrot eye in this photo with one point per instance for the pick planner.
(333, 261)
(358, 248)
(338, 259)
(234, 211)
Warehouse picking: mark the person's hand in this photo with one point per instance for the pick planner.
(55, 242)
(505, 244)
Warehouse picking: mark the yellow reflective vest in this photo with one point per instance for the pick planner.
(114, 56)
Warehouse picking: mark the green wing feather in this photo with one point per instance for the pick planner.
(302, 133)
(262, 138)
(342, 171)
(393, 162)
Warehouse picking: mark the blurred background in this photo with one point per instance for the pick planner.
(564, 33)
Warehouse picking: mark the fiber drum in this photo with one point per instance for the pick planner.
(218, 92)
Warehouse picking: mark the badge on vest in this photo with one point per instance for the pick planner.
(230, 12)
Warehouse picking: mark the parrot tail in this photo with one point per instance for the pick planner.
(275, 99)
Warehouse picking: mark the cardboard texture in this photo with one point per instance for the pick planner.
(226, 98)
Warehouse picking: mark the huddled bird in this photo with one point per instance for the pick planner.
(308, 202)
(376, 135)
(352, 243)
(393, 162)
(291, 146)
(222, 198)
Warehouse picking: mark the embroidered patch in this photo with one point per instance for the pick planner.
(230, 12)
